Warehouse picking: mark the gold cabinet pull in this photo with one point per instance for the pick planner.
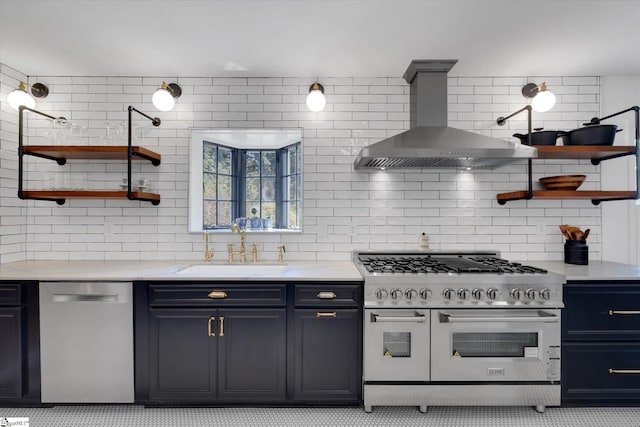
(221, 326)
(209, 329)
(326, 295)
(612, 312)
(326, 314)
(624, 371)
(217, 294)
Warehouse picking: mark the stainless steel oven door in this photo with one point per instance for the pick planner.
(495, 345)
(396, 345)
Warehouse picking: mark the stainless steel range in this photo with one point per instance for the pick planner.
(459, 328)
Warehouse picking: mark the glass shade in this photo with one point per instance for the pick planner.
(543, 101)
(163, 100)
(20, 97)
(316, 101)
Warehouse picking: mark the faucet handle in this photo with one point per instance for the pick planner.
(254, 252)
(230, 250)
(281, 251)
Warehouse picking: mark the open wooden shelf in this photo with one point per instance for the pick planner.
(100, 152)
(91, 194)
(564, 194)
(589, 152)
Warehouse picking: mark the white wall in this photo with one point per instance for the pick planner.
(343, 209)
(12, 210)
(620, 219)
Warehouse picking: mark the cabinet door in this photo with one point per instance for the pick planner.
(602, 373)
(251, 354)
(328, 348)
(599, 311)
(182, 354)
(11, 353)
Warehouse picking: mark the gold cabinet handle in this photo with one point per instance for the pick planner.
(326, 314)
(221, 326)
(624, 371)
(326, 295)
(612, 312)
(209, 329)
(217, 294)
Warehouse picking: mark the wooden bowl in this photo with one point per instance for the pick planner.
(562, 182)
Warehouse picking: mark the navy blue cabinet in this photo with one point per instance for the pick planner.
(210, 342)
(327, 343)
(20, 343)
(601, 343)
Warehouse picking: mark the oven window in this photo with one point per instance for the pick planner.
(494, 344)
(396, 344)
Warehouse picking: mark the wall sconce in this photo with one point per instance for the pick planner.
(316, 100)
(165, 97)
(543, 99)
(20, 96)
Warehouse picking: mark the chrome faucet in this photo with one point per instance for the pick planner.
(235, 228)
(208, 254)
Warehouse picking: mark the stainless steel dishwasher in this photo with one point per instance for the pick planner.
(86, 342)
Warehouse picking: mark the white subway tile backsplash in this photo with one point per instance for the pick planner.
(343, 209)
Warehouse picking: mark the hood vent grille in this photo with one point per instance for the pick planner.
(431, 162)
(430, 143)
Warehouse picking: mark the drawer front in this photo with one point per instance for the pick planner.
(601, 312)
(330, 294)
(601, 373)
(10, 294)
(217, 294)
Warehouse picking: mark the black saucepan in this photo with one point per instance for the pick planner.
(591, 135)
(540, 137)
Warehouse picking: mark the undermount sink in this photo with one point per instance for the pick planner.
(234, 270)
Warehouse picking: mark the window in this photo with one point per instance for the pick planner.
(251, 177)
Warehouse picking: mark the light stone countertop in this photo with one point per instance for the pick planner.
(291, 270)
(596, 270)
(170, 270)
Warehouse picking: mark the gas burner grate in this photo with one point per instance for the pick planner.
(427, 264)
(506, 266)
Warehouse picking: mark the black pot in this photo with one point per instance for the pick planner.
(591, 135)
(547, 137)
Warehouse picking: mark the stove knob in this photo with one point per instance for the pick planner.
(477, 293)
(425, 293)
(411, 294)
(530, 294)
(381, 294)
(516, 293)
(449, 293)
(463, 293)
(545, 293)
(396, 293)
(492, 293)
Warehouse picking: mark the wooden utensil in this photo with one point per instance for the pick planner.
(586, 234)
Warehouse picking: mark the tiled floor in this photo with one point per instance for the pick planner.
(138, 416)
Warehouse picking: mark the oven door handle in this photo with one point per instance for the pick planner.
(418, 318)
(546, 318)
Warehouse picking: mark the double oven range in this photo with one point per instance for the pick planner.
(459, 328)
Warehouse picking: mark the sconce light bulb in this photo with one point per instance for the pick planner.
(20, 97)
(543, 101)
(316, 100)
(163, 100)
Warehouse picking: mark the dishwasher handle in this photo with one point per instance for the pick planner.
(84, 298)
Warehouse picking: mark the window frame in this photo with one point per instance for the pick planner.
(278, 141)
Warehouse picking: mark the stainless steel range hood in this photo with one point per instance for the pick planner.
(430, 143)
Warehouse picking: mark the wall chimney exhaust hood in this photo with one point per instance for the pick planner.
(430, 143)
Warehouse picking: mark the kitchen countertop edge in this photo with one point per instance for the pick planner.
(294, 270)
(168, 271)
